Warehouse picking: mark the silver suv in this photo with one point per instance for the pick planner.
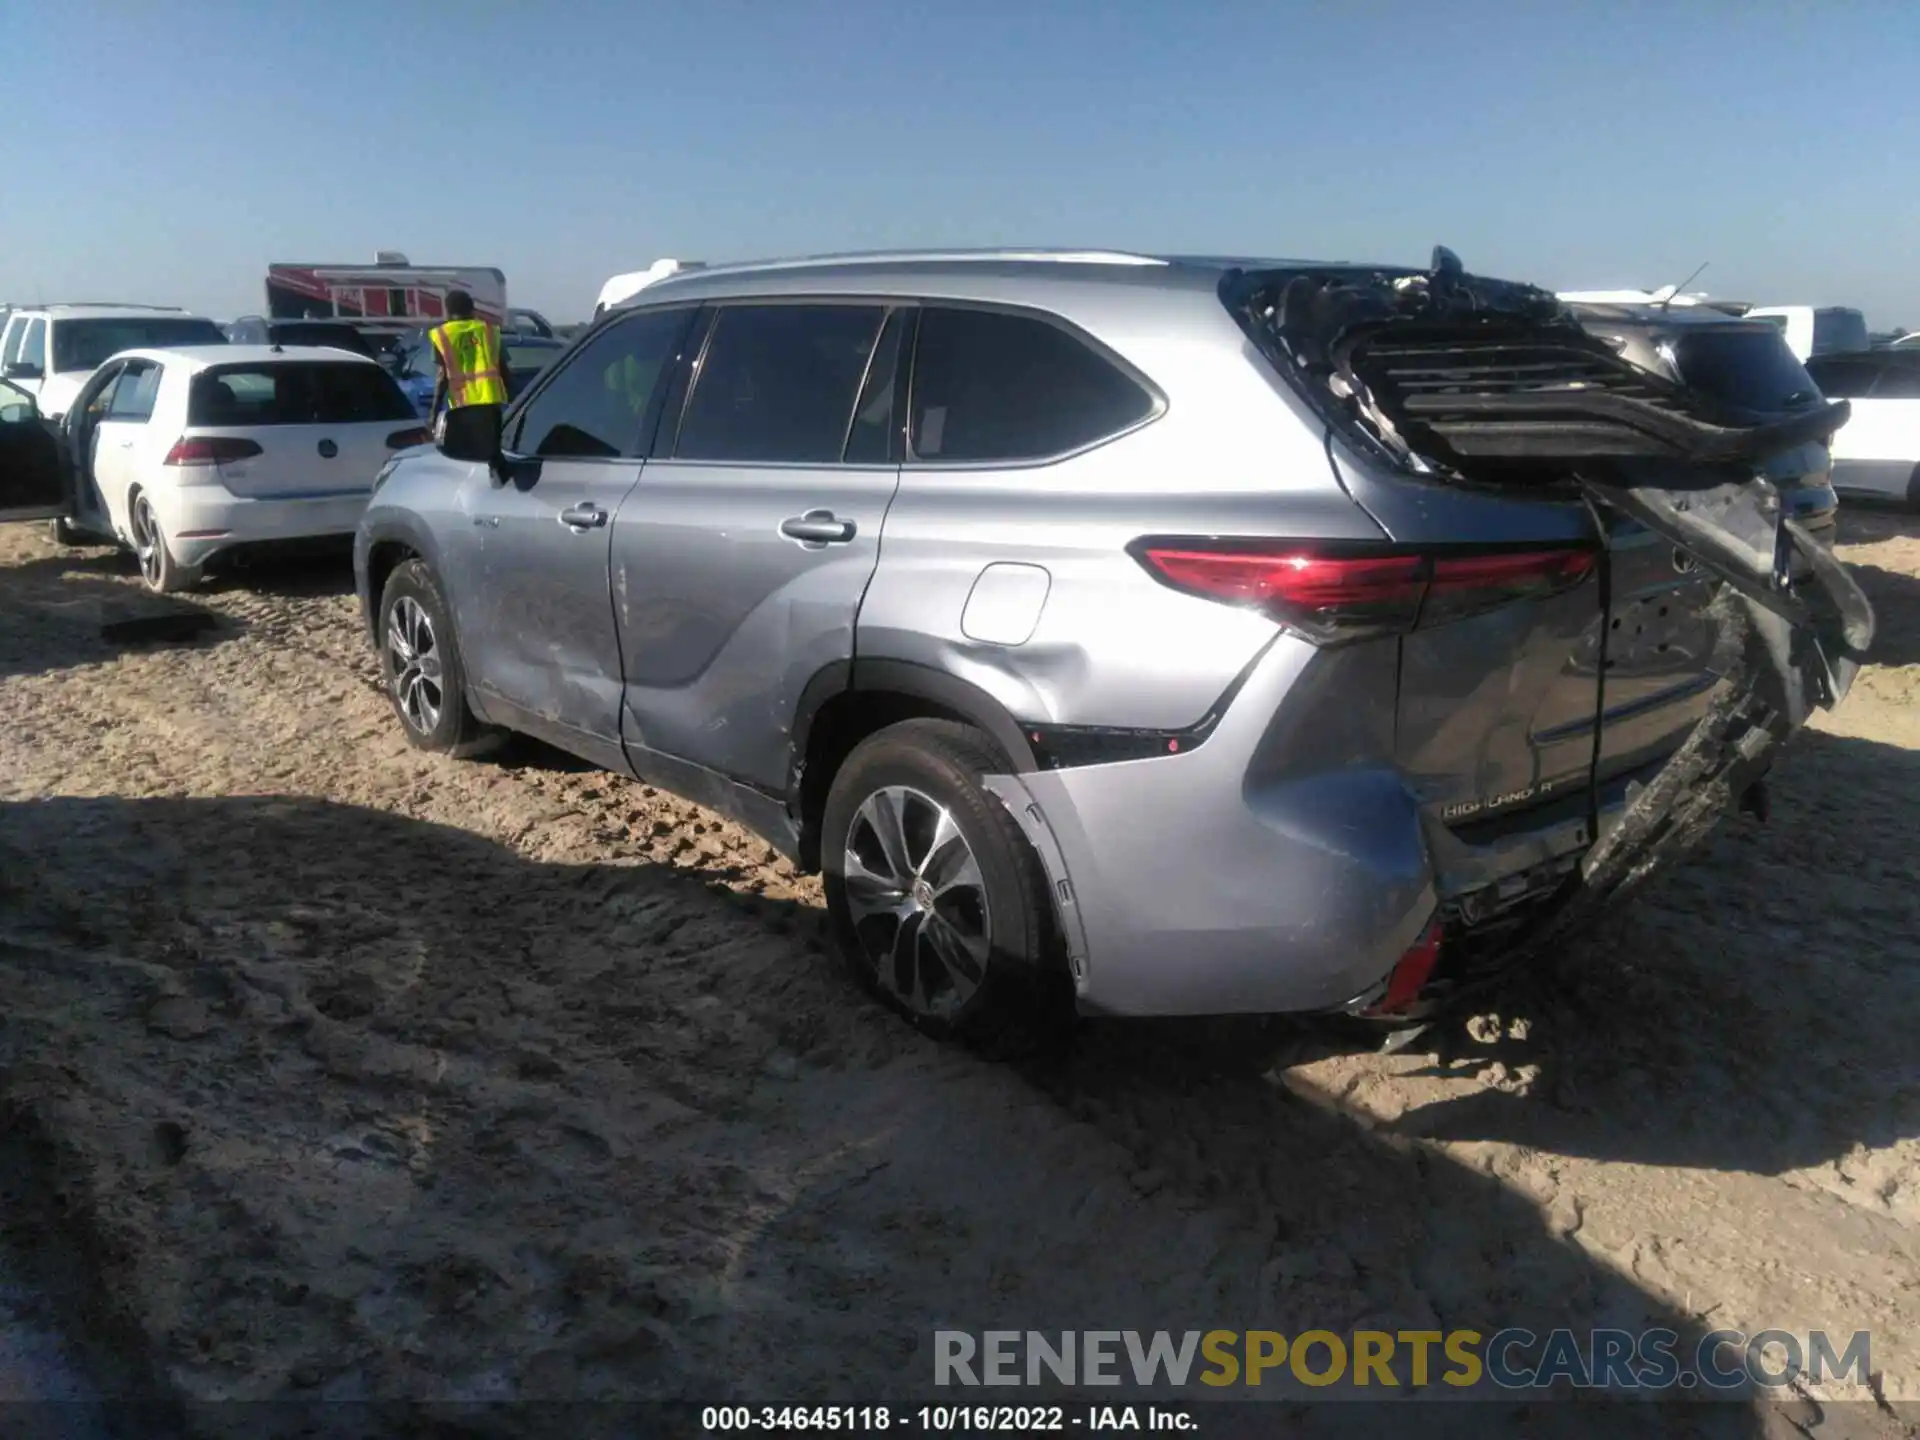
(1176, 636)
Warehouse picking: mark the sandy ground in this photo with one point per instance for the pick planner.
(356, 1073)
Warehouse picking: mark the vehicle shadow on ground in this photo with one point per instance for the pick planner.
(68, 610)
(314, 573)
(1752, 1010)
(553, 1077)
(1896, 607)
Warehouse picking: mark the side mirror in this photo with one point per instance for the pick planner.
(23, 370)
(454, 449)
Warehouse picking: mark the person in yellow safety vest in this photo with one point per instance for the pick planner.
(469, 377)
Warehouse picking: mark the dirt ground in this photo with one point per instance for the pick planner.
(355, 1073)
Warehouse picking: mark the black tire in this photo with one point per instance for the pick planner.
(63, 532)
(161, 573)
(1913, 489)
(1021, 1001)
(429, 698)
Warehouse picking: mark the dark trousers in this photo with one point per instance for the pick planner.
(474, 429)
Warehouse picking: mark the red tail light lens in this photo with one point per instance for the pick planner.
(1329, 596)
(211, 450)
(402, 439)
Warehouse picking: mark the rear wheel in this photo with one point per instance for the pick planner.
(425, 679)
(937, 903)
(1913, 489)
(162, 573)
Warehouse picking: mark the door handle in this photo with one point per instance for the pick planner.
(582, 518)
(818, 527)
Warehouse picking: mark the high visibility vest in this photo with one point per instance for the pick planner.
(469, 352)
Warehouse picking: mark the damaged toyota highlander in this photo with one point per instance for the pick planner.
(1247, 636)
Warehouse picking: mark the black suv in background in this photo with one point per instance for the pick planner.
(1745, 364)
(258, 330)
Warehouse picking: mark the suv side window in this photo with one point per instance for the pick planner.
(598, 400)
(33, 348)
(1898, 382)
(133, 397)
(16, 332)
(777, 383)
(1844, 378)
(993, 386)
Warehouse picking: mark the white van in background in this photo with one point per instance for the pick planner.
(1816, 330)
(623, 287)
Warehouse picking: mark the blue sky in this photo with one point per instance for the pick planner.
(168, 152)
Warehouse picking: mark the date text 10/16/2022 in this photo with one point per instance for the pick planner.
(949, 1419)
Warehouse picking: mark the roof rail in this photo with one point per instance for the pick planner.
(942, 257)
(100, 305)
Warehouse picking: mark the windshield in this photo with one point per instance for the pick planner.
(1839, 330)
(296, 392)
(86, 344)
(1744, 366)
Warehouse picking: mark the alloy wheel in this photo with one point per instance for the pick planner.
(147, 541)
(917, 900)
(413, 660)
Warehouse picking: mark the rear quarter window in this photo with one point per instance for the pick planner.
(1747, 366)
(296, 393)
(989, 386)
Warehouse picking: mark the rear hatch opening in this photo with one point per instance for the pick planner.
(1712, 625)
(1497, 385)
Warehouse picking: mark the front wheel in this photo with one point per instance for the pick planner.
(163, 574)
(937, 902)
(425, 679)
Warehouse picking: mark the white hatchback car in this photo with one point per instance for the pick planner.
(185, 455)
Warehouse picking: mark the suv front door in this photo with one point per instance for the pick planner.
(533, 609)
(33, 483)
(740, 559)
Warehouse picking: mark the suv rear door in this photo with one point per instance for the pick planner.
(740, 559)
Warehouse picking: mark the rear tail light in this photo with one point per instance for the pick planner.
(211, 450)
(1332, 594)
(403, 439)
